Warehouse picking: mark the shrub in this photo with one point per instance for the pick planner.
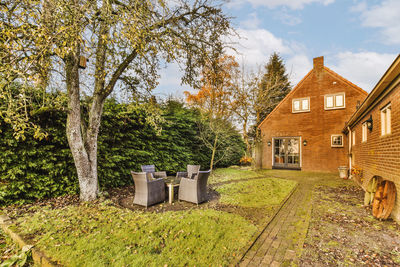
(246, 161)
(33, 169)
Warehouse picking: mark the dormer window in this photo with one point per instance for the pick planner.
(301, 105)
(334, 101)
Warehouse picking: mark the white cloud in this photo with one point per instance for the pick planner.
(363, 69)
(298, 66)
(252, 22)
(293, 4)
(286, 18)
(256, 45)
(170, 82)
(384, 16)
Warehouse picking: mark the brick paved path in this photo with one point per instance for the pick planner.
(284, 236)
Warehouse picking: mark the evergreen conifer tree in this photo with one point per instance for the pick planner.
(273, 87)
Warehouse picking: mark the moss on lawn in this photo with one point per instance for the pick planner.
(268, 192)
(234, 174)
(102, 235)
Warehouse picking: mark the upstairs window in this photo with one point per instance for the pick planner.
(335, 101)
(301, 105)
(364, 129)
(336, 140)
(386, 120)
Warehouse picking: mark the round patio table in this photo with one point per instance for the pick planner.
(171, 182)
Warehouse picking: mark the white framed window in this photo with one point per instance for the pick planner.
(335, 101)
(364, 129)
(386, 120)
(336, 140)
(353, 137)
(301, 105)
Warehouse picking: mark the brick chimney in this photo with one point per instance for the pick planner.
(318, 63)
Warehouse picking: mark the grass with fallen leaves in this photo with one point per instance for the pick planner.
(100, 234)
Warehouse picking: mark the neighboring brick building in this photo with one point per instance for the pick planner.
(376, 149)
(304, 131)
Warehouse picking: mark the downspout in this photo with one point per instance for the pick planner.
(350, 145)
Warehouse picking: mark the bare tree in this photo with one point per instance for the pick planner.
(244, 96)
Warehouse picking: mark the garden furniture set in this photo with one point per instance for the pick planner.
(150, 185)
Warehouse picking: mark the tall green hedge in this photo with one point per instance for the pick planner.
(33, 169)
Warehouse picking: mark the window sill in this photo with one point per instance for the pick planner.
(325, 108)
(305, 111)
(385, 135)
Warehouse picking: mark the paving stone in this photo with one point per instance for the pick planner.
(275, 264)
(244, 263)
(290, 254)
(255, 261)
(276, 243)
(284, 233)
(267, 260)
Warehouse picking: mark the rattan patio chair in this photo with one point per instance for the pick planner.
(148, 191)
(152, 169)
(194, 190)
(192, 171)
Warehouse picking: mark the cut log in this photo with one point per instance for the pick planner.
(383, 203)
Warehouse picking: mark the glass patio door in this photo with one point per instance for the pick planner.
(287, 153)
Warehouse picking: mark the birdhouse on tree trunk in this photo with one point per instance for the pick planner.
(82, 62)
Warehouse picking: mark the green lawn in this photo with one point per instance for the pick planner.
(103, 235)
(257, 193)
(232, 174)
(92, 235)
(7, 248)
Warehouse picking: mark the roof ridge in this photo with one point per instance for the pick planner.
(290, 93)
(333, 73)
(345, 80)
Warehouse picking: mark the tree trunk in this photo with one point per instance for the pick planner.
(95, 114)
(85, 167)
(213, 152)
(246, 139)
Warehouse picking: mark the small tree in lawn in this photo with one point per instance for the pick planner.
(44, 41)
(274, 86)
(214, 100)
(244, 96)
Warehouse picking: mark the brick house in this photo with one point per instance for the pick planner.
(304, 131)
(373, 132)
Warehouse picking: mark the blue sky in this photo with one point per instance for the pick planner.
(359, 39)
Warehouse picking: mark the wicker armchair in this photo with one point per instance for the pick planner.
(194, 190)
(148, 191)
(192, 171)
(152, 169)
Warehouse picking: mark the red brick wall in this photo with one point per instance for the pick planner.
(380, 155)
(315, 126)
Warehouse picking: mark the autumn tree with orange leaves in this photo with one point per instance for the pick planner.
(214, 99)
